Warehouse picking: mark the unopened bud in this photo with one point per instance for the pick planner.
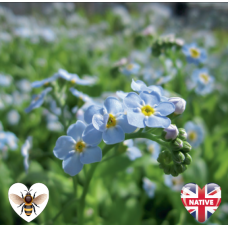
(177, 144)
(179, 104)
(182, 134)
(171, 132)
(180, 168)
(186, 147)
(188, 159)
(173, 172)
(167, 169)
(178, 157)
(167, 157)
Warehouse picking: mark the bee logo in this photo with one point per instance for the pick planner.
(28, 202)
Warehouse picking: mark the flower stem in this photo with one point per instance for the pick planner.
(94, 166)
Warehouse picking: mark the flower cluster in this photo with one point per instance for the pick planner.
(175, 159)
(146, 109)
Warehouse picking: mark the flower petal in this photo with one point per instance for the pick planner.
(63, 146)
(165, 108)
(133, 100)
(99, 121)
(157, 121)
(76, 130)
(122, 121)
(151, 99)
(113, 105)
(91, 155)
(133, 153)
(136, 119)
(138, 86)
(91, 135)
(113, 135)
(92, 110)
(72, 164)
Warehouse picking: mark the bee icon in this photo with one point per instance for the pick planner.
(28, 202)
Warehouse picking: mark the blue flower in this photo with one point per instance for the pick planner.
(25, 152)
(108, 123)
(175, 183)
(203, 81)
(74, 78)
(37, 100)
(24, 85)
(154, 149)
(5, 81)
(149, 187)
(45, 82)
(132, 151)
(80, 95)
(195, 134)
(13, 117)
(146, 109)
(131, 68)
(194, 54)
(8, 139)
(74, 151)
(140, 86)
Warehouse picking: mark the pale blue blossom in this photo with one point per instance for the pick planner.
(108, 123)
(194, 54)
(195, 133)
(13, 117)
(74, 151)
(130, 68)
(25, 149)
(5, 81)
(149, 187)
(37, 100)
(132, 151)
(175, 183)
(80, 95)
(153, 148)
(146, 109)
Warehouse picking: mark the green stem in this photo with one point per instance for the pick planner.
(94, 166)
(86, 187)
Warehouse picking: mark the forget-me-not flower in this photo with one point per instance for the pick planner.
(132, 151)
(37, 100)
(13, 117)
(5, 81)
(194, 54)
(108, 123)
(139, 86)
(175, 183)
(147, 109)
(74, 151)
(45, 82)
(153, 148)
(195, 133)
(130, 68)
(149, 187)
(74, 78)
(203, 81)
(80, 95)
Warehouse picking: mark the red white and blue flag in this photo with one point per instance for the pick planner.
(201, 203)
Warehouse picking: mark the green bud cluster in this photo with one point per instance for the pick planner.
(162, 44)
(176, 160)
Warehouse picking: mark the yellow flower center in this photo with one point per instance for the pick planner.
(130, 66)
(111, 121)
(46, 83)
(204, 77)
(194, 53)
(192, 135)
(147, 110)
(151, 149)
(79, 147)
(73, 81)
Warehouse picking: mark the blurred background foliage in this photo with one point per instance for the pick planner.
(88, 39)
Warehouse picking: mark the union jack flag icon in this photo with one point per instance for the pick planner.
(201, 203)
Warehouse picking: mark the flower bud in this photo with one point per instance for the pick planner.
(173, 172)
(167, 169)
(179, 104)
(171, 132)
(186, 147)
(180, 168)
(182, 134)
(188, 159)
(177, 144)
(167, 157)
(178, 157)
